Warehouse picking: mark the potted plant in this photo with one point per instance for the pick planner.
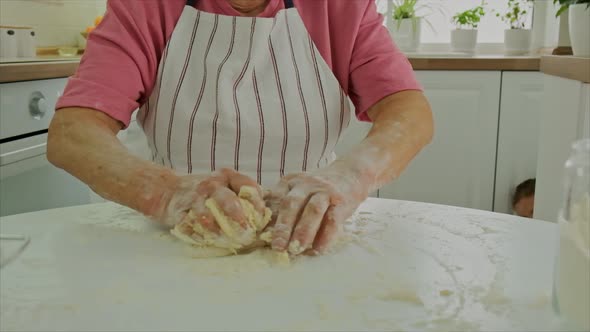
(464, 37)
(405, 24)
(579, 24)
(517, 39)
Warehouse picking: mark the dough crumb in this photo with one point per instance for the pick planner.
(282, 258)
(407, 296)
(266, 236)
(295, 247)
(446, 292)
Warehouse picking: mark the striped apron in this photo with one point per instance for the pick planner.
(251, 94)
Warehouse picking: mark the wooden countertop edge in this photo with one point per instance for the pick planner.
(508, 64)
(16, 72)
(574, 68)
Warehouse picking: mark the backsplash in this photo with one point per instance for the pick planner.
(56, 22)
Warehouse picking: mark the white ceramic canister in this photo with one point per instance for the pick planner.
(27, 45)
(8, 42)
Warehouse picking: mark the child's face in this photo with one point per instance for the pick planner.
(525, 206)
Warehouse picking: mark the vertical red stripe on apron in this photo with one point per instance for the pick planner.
(261, 120)
(283, 109)
(236, 105)
(202, 91)
(322, 96)
(181, 79)
(301, 96)
(164, 56)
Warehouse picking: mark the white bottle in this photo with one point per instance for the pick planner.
(572, 268)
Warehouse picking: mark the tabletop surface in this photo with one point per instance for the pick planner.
(399, 265)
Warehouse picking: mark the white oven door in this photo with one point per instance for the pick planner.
(28, 182)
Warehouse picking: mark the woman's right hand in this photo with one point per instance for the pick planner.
(189, 193)
(83, 142)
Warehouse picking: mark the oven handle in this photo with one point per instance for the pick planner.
(21, 154)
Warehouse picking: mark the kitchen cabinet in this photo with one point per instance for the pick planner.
(458, 167)
(565, 118)
(28, 182)
(354, 134)
(520, 107)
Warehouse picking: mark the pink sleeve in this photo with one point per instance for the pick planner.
(377, 67)
(119, 66)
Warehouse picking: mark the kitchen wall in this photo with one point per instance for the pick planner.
(57, 22)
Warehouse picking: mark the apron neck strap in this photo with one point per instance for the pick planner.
(288, 3)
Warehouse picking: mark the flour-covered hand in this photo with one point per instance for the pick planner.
(310, 208)
(189, 193)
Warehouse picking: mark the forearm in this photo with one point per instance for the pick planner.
(402, 126)
(83, 142)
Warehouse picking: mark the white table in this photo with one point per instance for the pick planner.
(401, 266)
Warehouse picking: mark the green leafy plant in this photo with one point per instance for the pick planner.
(564, 4)
(409, 9)
(470, 17)
(516, 14)
(404, 9)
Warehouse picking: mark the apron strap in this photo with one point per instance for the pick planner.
(288, 3)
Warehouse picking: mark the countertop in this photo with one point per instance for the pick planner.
(43, 67)
(571, 67)
(457, 61)
(399, 266)
(37, 68)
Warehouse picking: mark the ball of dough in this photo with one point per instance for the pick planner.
(233, 237)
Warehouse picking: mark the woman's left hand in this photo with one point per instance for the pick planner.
(310, 208)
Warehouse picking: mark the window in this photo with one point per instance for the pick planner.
(491, 28)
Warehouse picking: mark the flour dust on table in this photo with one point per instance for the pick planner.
(397, 266)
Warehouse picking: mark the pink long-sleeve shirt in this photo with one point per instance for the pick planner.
(118, 70)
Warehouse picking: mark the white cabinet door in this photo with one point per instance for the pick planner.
(564, 119)
(520, 108)
(584, 125)
(457, 168)
(352, 136)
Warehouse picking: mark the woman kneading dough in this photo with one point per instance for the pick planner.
(234, 96)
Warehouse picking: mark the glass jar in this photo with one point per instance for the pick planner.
(572, 268)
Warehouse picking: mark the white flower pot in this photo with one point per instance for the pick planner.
(545, 26)
(517, 41)
(464, 40)
(406, 34)
(579, 21)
